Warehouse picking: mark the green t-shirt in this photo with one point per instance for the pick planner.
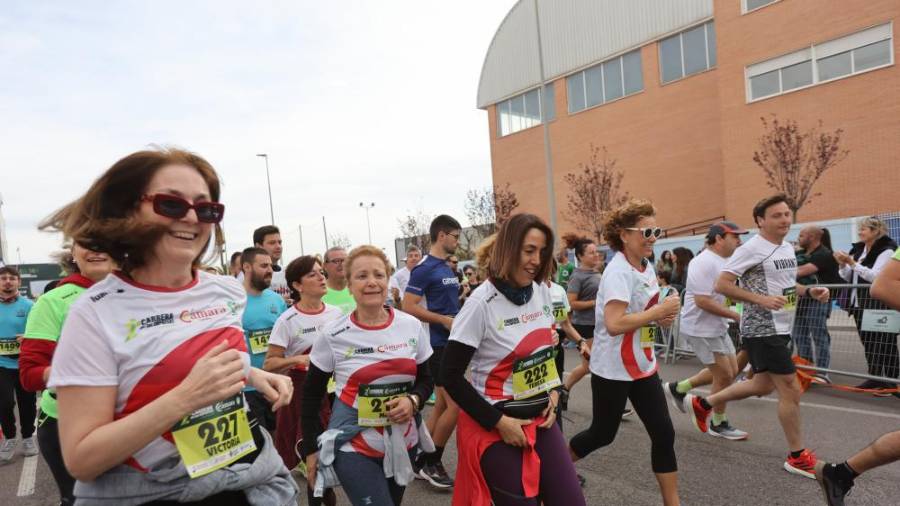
(563, 273)
(46, 321)
(341, 299)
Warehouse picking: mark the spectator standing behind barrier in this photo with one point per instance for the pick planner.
(665, 263)
(861, 266)
(815, 265)
(683, 257)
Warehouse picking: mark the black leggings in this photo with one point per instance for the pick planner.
(649, 402)
(48, 443)
(12, 394)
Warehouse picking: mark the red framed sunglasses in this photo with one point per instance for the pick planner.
(172, 206)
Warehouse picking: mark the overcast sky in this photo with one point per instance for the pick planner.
(352, 100)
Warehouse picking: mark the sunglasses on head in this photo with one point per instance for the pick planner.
(647, 233)
(172, 206)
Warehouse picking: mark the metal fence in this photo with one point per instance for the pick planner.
(852, 337)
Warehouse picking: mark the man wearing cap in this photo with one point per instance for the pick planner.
(704, 323)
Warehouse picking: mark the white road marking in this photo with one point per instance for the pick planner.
(26, 481)
(823, 406)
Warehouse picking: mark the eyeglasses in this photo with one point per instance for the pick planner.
(172, 206)
(455, 236)
(336, 261)
(648, 232)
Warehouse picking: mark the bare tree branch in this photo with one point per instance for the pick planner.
(793, 160)
(594, 191)
(487, 209)
(414, 228)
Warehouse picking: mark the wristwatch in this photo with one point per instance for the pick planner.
(415, 401)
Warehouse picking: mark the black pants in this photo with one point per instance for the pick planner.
(12, 393)
(48, 443)
(227, 498)
(261, 410)
(881, 351)
(649, 402)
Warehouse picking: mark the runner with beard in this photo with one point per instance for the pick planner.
(268, 237)
(263, 308)
(14, 311)
(436, 283)
(42, 333)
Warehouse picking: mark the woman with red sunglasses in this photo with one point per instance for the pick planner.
(152, 360)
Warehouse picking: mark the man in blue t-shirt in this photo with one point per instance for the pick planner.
(13, 314)
(434, 281)
(263, 308)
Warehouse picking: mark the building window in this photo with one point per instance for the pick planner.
(752, 5)
(605, 82)
(859, 52)
(524, 111)
(687, 53)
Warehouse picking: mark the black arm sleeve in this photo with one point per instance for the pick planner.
(424, 383)
(313, 392)
(453, 369)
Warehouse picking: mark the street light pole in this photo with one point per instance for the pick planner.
(368, 224)
(269, 182)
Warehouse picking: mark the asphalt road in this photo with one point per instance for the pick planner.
(712, 471)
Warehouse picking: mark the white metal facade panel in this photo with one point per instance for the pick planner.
(575, 34)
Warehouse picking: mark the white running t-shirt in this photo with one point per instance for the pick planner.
(296, 330)
(768, 269)
(704, 270)
(502, 333)
(628, 356)
(560, 303)
(361, 355)
(145, 340)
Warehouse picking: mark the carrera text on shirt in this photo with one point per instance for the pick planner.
(768, 269)
(296, 331)
(502, 333)
(362, 355)
(628, 356)
(436, 282)
(144, 341)
(702, 275)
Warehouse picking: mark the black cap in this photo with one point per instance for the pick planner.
(725, 227)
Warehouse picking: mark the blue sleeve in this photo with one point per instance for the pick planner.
(418, 280)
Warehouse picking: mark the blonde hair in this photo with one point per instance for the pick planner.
(625, 216)
(875, 225)
(365, 251)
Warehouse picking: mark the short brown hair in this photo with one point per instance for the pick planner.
(12, 271)
(103, 218)
(759, 210)
(299, 267)
(626, 216)
(364, 251)
(508, 245)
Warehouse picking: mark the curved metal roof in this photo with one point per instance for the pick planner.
(575, 34)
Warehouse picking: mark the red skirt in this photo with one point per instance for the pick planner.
(288, 433)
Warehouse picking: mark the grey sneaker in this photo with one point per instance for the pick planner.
(29, 447)
(7, 450)
(671, 388)
(725, 430)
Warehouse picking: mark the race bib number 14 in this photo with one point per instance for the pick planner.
(214, 437)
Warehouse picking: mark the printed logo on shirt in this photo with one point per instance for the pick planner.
(358, 351)
(450, 281)
(273, 309)
(341, 331)
(134, 325)
(502, 323)
(547, 310)
(188, 316)
(95, 298)
(785, 263)
(508, 322)
(303, 332)
(21, 313)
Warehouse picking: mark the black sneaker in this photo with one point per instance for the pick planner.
(834, 490)
(870, 385)
(436, 475)
(417, 464)
(627, 412)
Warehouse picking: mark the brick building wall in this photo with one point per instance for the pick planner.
(688, 145)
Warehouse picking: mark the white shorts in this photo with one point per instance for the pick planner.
(706, 347)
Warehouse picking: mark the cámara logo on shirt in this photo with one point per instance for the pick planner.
(188, 316)
(133, 325)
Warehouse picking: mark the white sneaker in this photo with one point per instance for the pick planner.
(7, 450)
(725, 430)
(29, 447)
